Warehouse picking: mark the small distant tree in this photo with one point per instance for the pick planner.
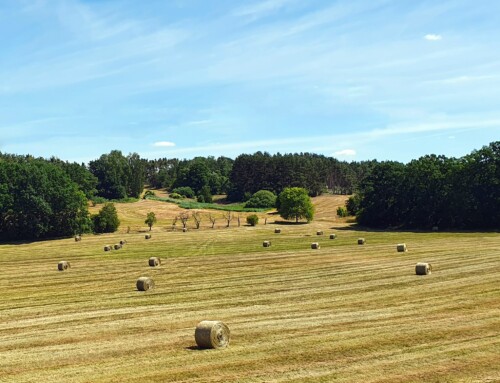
(212, 219)
(295, 203)
(228, 216)
(252, 219)
(197, 218)
(184, 217)
(174, 222)
(106, 221)
(150, 220)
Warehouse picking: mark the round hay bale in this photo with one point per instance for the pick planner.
(401, 248)
(184, 229)
(107, 248)
(78, 238)
(361, 241)
(315, 245)
(333, 236)
(117, 246)
(277, 231)
(145, 284)
(63, 265)
(423, 268)
(319, 232)
(212, 334)
(154, 261)
(123, 242)
(266, 243)
(147, 236)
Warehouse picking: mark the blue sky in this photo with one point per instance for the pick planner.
(352, 79)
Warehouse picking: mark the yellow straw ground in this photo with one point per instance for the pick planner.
(344, 313)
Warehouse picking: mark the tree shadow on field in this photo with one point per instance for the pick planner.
(290, 223)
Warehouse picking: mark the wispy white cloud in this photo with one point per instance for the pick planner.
(345, 153)
(433, 37)
(164, 144)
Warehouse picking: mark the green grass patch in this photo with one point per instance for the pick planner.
(187, 204)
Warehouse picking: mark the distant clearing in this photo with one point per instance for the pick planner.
(342, 313)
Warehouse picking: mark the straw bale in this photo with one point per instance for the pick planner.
(212, 334)
(277, 231)
(147, 236)
(117, 246)
(63, 265)
(315, 245)
(145, 284)
(123, 242)
(78, 238)
(423, 268)
(154, 261)
(319, 232)
(266, 243)
(401, 248)
(184, 229)
(361, 241)
(108, 248)
(333, 236)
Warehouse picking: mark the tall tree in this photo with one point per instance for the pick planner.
(295, 203)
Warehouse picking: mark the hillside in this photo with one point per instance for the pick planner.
(343, 313)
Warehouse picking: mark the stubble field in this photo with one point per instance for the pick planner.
(343, 313)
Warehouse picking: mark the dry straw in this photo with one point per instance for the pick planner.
(118, 246)
(423, 268)
(401, 248)
(266, 243)
(315, 245)
(107, 248)
(147, 236)
(361, 241)
(63, 265)
(154, 261)
(211, 334)
(277, 231)
(145, 284)
(333, 236)
(319, 232)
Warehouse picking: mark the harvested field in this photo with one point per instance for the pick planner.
(347, 313)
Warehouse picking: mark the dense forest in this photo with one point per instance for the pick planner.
(42, 198)
(433, 191)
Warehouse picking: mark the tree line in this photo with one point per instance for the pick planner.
(41, 198)
(450, 193)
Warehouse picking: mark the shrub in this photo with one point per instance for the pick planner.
(353, 204)
(184, 191)
(252, 219)
(106, 221)
(200, 199)
(175, 196)
(342, 211)
(262, 199)
(149, 193)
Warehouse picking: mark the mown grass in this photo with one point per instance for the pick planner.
(344, 313)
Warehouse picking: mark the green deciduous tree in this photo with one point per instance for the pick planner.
(106, 221)
(295, 203)
(150, 219)
(39, 200)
